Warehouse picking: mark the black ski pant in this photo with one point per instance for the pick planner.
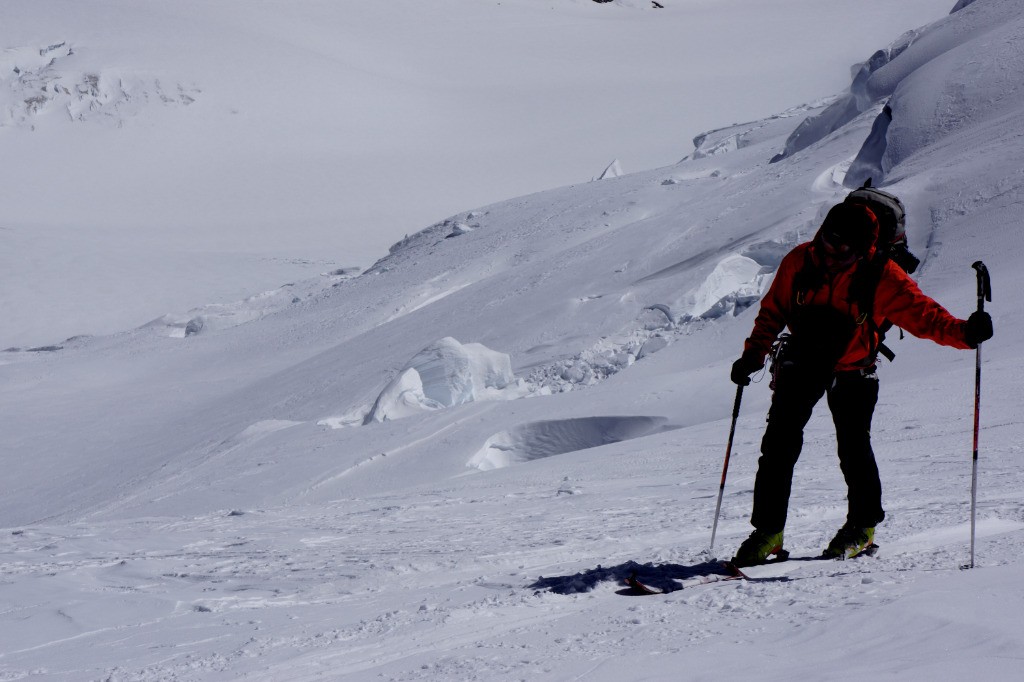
(851, 398)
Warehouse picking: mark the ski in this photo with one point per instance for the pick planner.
(756, 572)
(637, 588)
(775, 568)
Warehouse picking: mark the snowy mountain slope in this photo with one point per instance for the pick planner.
(183, 507)
(360, 331)
(164, 155)
(561, 310)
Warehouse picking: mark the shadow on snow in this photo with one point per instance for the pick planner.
(662, 577)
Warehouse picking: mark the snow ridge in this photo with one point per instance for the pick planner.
(36, 82)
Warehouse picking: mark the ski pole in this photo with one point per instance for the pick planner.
(725, 466)
(984, 294)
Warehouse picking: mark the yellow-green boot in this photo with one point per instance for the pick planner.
(757, 548)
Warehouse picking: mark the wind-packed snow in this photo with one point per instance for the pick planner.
(443, 465)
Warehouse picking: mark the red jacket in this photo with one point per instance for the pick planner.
(897, 298)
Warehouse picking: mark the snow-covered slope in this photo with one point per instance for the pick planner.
(339, 479)
(163, 155)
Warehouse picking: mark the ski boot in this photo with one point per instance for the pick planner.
(757, 548)
(849, 542)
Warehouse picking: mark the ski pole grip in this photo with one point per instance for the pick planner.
(984, 285)
(736, 402)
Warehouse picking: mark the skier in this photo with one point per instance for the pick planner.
(833, 294)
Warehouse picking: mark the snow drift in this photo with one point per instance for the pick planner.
(445, 374)
(537, 440)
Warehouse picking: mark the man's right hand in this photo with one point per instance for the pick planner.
(743, 368)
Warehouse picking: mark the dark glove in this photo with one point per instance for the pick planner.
(978, 328)
(744, 367)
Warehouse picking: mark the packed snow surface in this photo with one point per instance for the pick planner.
(443, 464)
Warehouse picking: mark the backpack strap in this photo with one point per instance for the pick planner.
(883, 349)
(808, 278)
(862, 292)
